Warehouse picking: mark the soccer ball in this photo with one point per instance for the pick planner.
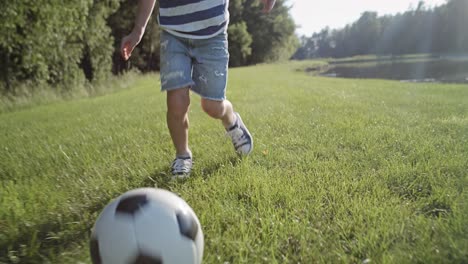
(147, 226)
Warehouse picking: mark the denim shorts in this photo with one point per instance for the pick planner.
(199, 64)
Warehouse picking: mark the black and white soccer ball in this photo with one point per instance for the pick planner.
(147, 226)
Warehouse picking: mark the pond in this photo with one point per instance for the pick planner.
(420, 69)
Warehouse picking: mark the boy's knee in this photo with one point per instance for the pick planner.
(178, 111)
(213, 108)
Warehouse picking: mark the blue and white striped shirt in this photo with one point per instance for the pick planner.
(196, 19)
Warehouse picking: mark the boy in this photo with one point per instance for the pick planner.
(194, 56)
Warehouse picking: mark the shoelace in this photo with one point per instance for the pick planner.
(181, 165)
(238, 137)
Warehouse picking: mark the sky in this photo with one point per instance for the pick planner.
(313, 15)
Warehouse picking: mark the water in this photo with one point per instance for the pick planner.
(429, 69)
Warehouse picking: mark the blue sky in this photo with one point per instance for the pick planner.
(313, 15)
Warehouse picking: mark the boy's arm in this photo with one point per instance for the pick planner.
(145, 8)
(267, 5)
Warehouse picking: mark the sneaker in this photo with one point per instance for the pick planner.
(240, 136)
(181, 167)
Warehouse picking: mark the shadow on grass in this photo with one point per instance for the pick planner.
(207, 171)
(45, 241)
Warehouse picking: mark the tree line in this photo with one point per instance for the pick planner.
(441, 29)
(65, 44)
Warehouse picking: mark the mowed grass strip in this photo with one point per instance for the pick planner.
(343, 170)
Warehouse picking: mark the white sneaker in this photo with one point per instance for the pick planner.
(240, 136)
(181, 168)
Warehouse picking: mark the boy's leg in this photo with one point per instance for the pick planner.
(178, 102)
(232, 122)
(222, 110)
(176, 69)
(210, 72)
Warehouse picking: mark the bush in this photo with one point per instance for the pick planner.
(54, 42)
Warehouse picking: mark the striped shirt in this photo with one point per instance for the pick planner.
(196, 19)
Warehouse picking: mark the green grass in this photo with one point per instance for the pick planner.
(344, 171)
(30, 94)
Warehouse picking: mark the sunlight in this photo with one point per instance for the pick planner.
(314, 16)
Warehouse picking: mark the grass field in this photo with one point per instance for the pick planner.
(344, 171)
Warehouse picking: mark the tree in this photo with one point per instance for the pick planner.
(272, 34)
(54, 42)
(307, 49)
(239, 44)
(419, 30)
(145, 57)
(456, 31)
(68, 44)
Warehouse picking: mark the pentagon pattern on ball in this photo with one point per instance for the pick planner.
(147, 226)
(142, 259)
(94, 248)
(130, 205)
(187, 225)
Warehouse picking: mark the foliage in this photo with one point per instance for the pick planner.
(96, 60)
(145, 57)
(65, 45)
(54, 42)
(42, 41)
(239, 44)
(272, 34)
(420, 30)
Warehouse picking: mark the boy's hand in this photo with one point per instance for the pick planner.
(267, 5)
(128, 44)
